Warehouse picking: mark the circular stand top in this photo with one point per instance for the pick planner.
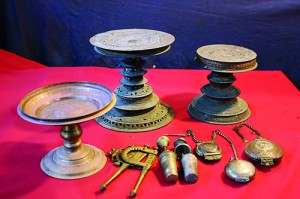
(132, 54)
(226, 53)
(226, 58)
(66, 103)
(132, 40)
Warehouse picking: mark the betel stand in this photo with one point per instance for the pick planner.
(137, 109)
(219, 102)
(68, 104)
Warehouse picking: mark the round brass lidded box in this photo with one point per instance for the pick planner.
(264, 151)
(260, 150)
(219, 102)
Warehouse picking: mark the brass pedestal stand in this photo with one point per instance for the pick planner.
(73, 159)
(138, 108)
(219, 103)
(67, 105)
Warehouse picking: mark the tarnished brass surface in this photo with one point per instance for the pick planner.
(67, 101)
(226, 53)
(137, 109)
(219, 103)
(131, 157)
(72, 160)
(132, 54)
(238, 170)
(134, 104)
(261, 150)
(189, 162)
(217, 119)
(132, 40)
(206, 150)
(264, 151)
(226, 58)
(220, 93)
(215, 107)
(181, 147)
(163, 142)
(115, 155)
(227, 67)
(137, 121)
(209, 150)
(87, 161)
(127, 93)
(167, 160)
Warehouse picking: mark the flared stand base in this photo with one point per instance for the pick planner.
(64, 164)
(214, 111)
(137, 121)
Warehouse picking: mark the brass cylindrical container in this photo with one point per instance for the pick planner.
(190, 167)
(167, 160)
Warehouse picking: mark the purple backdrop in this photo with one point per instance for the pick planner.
(57, 33)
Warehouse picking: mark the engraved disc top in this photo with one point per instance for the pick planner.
(262, 148)
(132, 40)
(226, 53)
(208, 147)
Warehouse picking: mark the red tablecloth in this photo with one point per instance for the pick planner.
(273, 101)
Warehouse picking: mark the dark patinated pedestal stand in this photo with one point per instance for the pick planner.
(138, 108)
(219, 103)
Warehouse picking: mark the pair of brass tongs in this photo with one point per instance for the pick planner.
(131, 157)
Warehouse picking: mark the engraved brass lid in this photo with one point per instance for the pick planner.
(132, 40)
(261, 150)
(207, 147)
(226, 58)
(264, 151)
(240, 170)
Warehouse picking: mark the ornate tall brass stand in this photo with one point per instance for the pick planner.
(219, 103)
(138, 108)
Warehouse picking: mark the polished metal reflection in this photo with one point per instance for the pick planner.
(68, 104)
(240, 171)
(74, 159)
(167, 160)
(219, 103)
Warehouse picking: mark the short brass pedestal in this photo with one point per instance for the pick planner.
(219, 103)
(74, 159)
